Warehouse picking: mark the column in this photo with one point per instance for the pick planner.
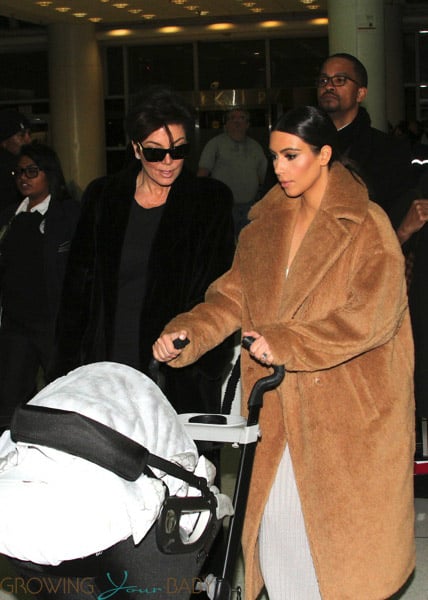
(76, 103)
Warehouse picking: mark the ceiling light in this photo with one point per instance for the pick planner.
(119, 32)
(192, 7)
(248, 4)
(135, 11)
(170, 29)
(256, 10)
(321, 21)
(79, 15)
(204, 13)
(44, 3)
(269, 24)
(220, 26)
(306, 1)
(62, 9)
(313, 6)
(95, 19)
(148, 17)
(178, 1)
(120, 4)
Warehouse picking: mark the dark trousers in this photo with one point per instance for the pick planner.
(23, 352)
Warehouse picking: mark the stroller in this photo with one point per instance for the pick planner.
(130, 545)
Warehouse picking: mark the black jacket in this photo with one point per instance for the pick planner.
(59, 224)
(194, 244)
(383, 161)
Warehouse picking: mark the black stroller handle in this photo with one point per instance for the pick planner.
(153, 368)
(270, 382)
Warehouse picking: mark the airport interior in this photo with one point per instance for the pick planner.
(74, 66)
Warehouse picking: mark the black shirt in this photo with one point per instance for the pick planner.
(141, 230)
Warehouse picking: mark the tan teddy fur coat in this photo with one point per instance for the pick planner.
(341, 326)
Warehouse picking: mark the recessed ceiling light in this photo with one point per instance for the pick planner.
(120, 4)
(44, 3)
(256, 10)
(62, 9)
(313, 6)
(268, 24)
(95, 19)
(119, 32)
(192, 7)
(79, 15)
(170, 29)
(178, 1)
(248, 4)
(220, 26)
(321, 21)
(148, 17)
(135, 11)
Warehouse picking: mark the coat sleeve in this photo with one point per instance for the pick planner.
(211, 321)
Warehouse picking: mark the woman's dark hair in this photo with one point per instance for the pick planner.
(156, 107)
(313, 126)
(47, 160)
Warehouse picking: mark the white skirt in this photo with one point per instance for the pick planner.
(285, 558)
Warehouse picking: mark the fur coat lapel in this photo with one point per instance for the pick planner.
(274, 219)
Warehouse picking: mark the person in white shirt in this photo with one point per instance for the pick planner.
(238, 161)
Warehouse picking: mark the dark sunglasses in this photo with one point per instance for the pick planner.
(158, 154)
(30, 172)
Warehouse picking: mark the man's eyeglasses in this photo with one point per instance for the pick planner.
(30, 172)
(336, 80)
(158, 154)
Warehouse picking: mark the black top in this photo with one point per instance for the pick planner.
(141, 229)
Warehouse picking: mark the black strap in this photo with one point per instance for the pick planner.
(86, 438)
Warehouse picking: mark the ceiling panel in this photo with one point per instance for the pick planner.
(137, 11)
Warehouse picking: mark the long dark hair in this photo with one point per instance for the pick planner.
(155, 107)
(47, 160)
(313, 126)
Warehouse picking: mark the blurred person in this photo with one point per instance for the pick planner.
(238, 160)
(15, 131)
(35, 238)
(150, 240)
(412, 233)
(318, 282)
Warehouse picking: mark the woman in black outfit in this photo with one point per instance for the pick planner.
(149, 242)
(35, 238)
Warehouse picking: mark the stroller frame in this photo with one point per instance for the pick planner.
(128, 459)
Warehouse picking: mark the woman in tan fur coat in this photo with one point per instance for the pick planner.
(318, 280)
